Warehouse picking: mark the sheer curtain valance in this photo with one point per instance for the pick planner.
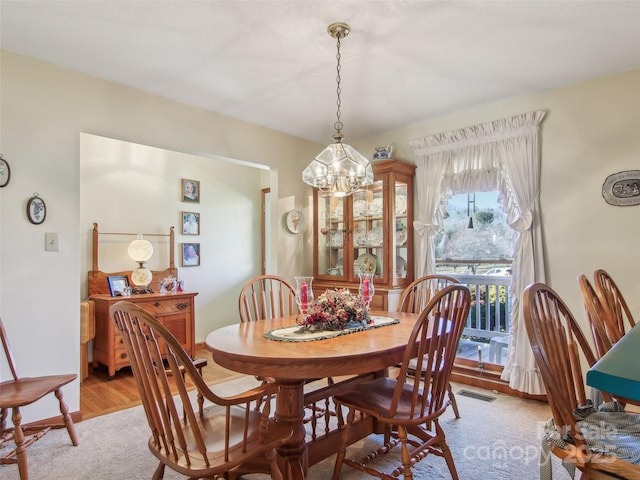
(502, 155)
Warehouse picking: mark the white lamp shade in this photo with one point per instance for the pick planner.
(141, 277)
(140, 250)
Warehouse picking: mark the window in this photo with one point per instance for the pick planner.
(475, 238)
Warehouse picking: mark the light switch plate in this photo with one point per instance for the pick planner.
(51, 242)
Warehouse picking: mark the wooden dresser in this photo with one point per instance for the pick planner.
(176, 311)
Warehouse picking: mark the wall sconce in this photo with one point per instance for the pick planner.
(140, 251)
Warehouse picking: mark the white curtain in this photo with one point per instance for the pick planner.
(502, 155)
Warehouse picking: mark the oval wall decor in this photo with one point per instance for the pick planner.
(622, 189)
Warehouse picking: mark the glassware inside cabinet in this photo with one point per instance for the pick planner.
(331, 229)
(401, 199)
(368, 260)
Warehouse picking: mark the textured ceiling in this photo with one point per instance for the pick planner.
(272, 62)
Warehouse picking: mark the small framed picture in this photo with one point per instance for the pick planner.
(190, 223)
(190, 190)
(117, 285)
(36, 210)
(190, 254)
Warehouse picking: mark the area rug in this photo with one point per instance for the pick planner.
(497, 437)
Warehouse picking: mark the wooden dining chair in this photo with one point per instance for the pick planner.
(228, 439)
(596, 316)
(20, 392)
(602, 337)
(414, 299)
(618, 316)
(271, 296)
(266, 296)
(410, 406)
(556, 340)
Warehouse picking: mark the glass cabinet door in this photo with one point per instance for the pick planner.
(368, 231)
(331, 236)
(371, 231)
(402, 228)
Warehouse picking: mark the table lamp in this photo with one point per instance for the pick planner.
(141, 250)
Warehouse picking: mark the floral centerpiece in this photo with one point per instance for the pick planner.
(335, 310)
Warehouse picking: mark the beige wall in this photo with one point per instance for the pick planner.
(591, 131)
(44, 111)
(142, 193)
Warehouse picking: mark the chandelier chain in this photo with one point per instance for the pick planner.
(339, 170)
(338, 124)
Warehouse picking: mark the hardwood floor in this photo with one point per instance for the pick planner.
(99, 395)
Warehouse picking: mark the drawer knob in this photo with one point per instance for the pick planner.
(182, 306)
(157, 304)
(123, 355)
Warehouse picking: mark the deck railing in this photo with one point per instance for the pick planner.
(490, 312)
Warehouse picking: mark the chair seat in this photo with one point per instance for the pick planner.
(29, 389)
(191, 462)
(374, 397)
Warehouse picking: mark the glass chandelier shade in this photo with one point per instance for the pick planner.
(140, 251)
(339, 169)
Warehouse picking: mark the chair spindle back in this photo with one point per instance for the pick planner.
(265, 297)
(417, 294)
(432, 348)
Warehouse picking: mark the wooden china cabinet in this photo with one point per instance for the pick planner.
(371, 231)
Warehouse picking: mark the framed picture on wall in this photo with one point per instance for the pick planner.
(36, 210)
(190, 223)
(190, 190)
(190, 254)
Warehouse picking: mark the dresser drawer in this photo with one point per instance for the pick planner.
(121, 357)
(157, 307)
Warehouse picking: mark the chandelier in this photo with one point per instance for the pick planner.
(339, 169)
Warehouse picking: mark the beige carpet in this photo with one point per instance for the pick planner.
(492, 440)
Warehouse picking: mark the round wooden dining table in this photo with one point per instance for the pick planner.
(244, 348)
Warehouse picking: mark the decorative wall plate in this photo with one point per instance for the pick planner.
(622, 189)
(295, 221)
(36, 210)
(5, 172)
